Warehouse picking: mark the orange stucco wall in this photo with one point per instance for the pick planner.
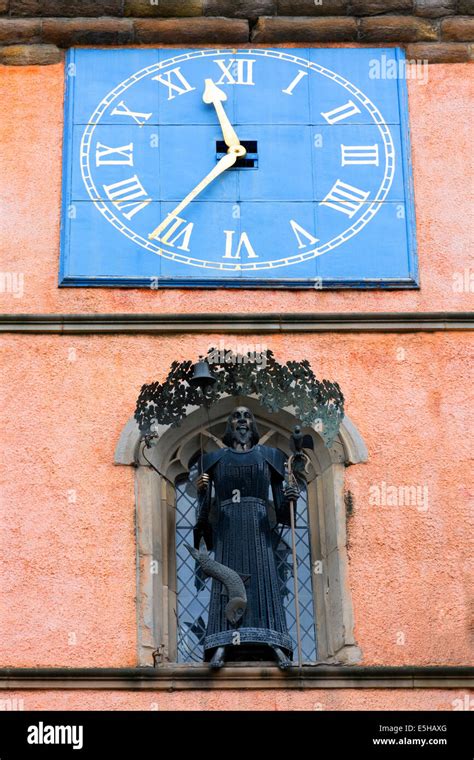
(312, 700)
(70, 567)
(68, 542)
(31, 103)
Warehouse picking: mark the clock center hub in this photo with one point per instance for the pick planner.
(239, 150)
(246, 152)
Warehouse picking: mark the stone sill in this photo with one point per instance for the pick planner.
(171, 677)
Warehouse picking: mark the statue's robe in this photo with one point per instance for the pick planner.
(238, 528)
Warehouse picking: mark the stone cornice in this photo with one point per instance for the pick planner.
(265, 676)
(236, 323)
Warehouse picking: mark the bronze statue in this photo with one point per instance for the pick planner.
(235, 488)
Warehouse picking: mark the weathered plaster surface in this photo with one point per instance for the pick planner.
(68, 577)
(31, 103)
(68, 545)
(313, 700)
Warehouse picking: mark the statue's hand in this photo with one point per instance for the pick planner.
(292, 493)
(202, 482)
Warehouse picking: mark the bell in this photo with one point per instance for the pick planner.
(202, 377)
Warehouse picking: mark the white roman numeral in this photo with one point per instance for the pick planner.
(343, 112)
(184, 233)
(301, 233)
(122, 110)
(236, 71)
(173, 87)
(244, 242)
(345, 198)
(298, 78)
(359, 154)
(106, 156)
(124, 195)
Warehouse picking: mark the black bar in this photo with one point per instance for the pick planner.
(131, 734)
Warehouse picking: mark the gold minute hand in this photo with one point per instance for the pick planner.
(212, 94)
(225, 163)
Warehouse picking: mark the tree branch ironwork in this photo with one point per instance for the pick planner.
(275, 385)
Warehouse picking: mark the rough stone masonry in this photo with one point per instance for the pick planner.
(36, 32)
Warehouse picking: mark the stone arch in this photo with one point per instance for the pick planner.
(155, 521)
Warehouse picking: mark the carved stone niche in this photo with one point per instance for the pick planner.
(155, 522)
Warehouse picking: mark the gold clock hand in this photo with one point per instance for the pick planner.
(225, 163)
(212, 94)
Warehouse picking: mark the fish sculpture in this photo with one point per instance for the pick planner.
(230, 579)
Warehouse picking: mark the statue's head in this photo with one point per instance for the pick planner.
(241, 427)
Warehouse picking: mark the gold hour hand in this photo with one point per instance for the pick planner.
(225, 163)
(215, 96)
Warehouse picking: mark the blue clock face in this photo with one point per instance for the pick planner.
(236, 167)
